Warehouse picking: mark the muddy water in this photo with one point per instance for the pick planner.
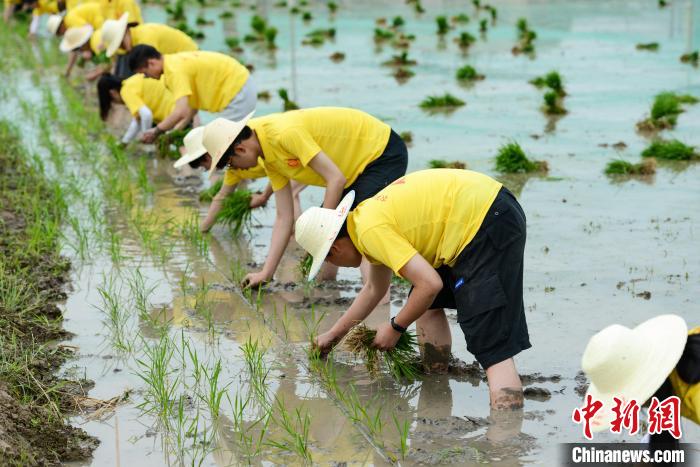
(595, 246)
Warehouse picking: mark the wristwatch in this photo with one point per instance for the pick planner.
(397, 327)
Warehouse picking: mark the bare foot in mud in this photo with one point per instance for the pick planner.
(508, 399)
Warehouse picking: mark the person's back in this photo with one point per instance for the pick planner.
(166, 39)
(138, 90)
(210, 79)
(85, 13)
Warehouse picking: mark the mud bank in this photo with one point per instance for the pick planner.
(33, 275)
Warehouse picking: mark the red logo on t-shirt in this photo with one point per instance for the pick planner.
(400, 181)
(293, 162)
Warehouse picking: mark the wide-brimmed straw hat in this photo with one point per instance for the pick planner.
(75, 37)
(53, 23)
(631, 363)
(113, 31)
(317, 228)
(193, 147)
(219, 134)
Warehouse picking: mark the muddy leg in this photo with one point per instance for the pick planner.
(435, 340)
(505, 424)
(505, 388)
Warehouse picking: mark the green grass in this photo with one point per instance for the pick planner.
(207, 195)
(468, 73)
(512, 159)
(445, 101)
(622, 167)
(236, 212)
(672, 150)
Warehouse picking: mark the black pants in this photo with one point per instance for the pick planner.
(485, 285)
(385, 169)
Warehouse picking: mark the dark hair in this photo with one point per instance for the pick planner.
(197, 163)
(140, 55)
(106, 84)
(343, 232)
(245, 133)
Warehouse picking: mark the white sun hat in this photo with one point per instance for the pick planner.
(317, 228)
(193, 147)
(219, 134)
(113, 31)
(53, 23)
(75, 37)
(631, 363)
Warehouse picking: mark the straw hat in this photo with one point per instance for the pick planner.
(631, 363)
(75, 37)
(219, 135)
(113, 31)
(193, 147)
(317, 228)
(53, 23)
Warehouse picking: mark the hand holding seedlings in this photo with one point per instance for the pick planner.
(255, 279)
(258, 199)
(386, 337)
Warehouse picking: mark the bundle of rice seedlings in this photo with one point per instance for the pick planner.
(236, 212)
(305, 265)
(692, 58)
(464, 40)
(207, 195)
(553, 104)
(445, 101)
(512, 159)
(443, 164)
(287, 103)
(654, 46)
(665, 111)
(402, 360)
(552, 80)
(621, 167)
(468, 74)
(168, 143)
(526, 38)
(673, 150)
(443, 27)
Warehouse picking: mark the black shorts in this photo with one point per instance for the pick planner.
(384, 170)
(485, 285)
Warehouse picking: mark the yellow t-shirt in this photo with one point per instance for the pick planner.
(165, 39)
(351, 139)
(46, 7)
(85, 13)
(138, 91)
(210, 79)
(70, 4)
(114, 9)
(235, 176)
(434, 213)
(689, 394)
(96, 41)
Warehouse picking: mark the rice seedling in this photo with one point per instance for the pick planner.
(446, 102)
(443, 26)
(161, 381)
(236, 212)
(402, 429)
(483, 26)
(651, 46)
(332, 7)
(526, 38)
(402, 360)
(493, 12)
(382, 35)
(208, 194)
(264, 96)
(226, 14)
(280, 4)
(692, 58)
(202, 21)
(80, 244)
(296, 429)
(403, 41)
(665, 110)
(398, 22)
(400, 60)
(234, 43)
(551, 80)
(407, 137)
(673, 150)
(204, 308)
(443, 164)
(461, 18)
(465, 40)
(553, 104)
(512, 159)
(168, 143)
(214, 394)
(477, 4)
(318, 37)
(402, 74)
(622, 167)
(193, 33)
(305, 265)
(468, 74)
(662, 3)
(238, 271)
(287, 104)
(337, 57)
(307, 16)
(176, 11)
(117, 321)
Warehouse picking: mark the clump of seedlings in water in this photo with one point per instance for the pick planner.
(443, 164)
(226, 14)
(526, 39)
(401, 59)
(262, 32)
(665, 110)
(318, 37)
(403, 41)
(672, 150)
(443, 26)
(337, 57)
(332, 7)
(287, 103)
(305, 265)
(468, 74)
(407, 137)
(493, 12)
(202, 21)
(402, 360)
(176, 11)
(403, 74)
(622, 167)
(483, 26)
(193, 33)
(417, 6)
(651, 46)
(398, 22)
(692, 58)
(168, 143)
(464, 40)
(554, 97)
(512, 159)
(307, 16)
(264, 96)
(460, 19)
(446, 102)
(236, 212)
(382, 35)
(206, 196)
(234, 43)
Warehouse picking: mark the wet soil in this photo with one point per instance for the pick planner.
(32, 397)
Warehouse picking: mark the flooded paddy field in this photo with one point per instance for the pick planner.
(193, 366)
